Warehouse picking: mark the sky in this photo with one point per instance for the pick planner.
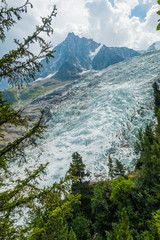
(115, 23)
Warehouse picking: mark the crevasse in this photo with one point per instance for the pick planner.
(97, 115)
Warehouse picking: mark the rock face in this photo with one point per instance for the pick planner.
(106, 57)
(71, 57)
(76, 54)
(155, 46)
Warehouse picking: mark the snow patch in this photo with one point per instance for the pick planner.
(84, 72)
(93, 54)
(45, 78)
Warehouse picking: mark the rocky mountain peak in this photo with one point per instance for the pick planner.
(76, 54)
(155, 46)
(71, 35)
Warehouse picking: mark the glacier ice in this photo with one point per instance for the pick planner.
(97, 115)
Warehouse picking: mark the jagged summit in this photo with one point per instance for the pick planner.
(76, 54)
(155, 46)
(71, 34)
(71, 37)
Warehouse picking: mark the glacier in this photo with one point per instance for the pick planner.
(97, 115)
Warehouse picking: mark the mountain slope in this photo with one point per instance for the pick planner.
(72, 51)
(106, 57)
(155, 46)
(76, 54)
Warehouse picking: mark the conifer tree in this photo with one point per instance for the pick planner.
(77, 168)
(110, 168)
(121, 230)
(80, 184)
(72, 235)
(18, 67)
(119, 169)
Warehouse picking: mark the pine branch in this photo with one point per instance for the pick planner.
(24, 191)
(7, 16)
(15, 148)
(18, 71)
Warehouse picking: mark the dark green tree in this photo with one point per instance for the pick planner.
(121, 231)
(52, 209)
(110, 168)
(119, 169)
(121, 191)
(72, 235)
(143, 146)
(77, 169)
(80, 184)
(81, 226)
(102, 208)
(49, 208)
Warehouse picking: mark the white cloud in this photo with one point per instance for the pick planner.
(97, 19)
(72, 16)
(125, 5)
(114, 26)
(147, 1)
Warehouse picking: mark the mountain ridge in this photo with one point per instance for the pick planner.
(155, 46)
(76, 54)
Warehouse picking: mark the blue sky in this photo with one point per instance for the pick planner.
(141, 9)
(129, 23)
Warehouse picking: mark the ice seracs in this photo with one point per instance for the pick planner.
(97, 115)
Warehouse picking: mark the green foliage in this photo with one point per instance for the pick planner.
(20, 65)
(79, 184)
(143, 146)
(121, 230)
(20, 192)
(121, 191)
(120, 169)
(72, 235)
(51, 211)
(158, 12)
(81, 226)
(110, 168)
(48, 209)
(156, 221)
(28, 92)
(108, 236)
(157, 102)
(102, 207)
(116, 169)
(154, 227)
(77, 168)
